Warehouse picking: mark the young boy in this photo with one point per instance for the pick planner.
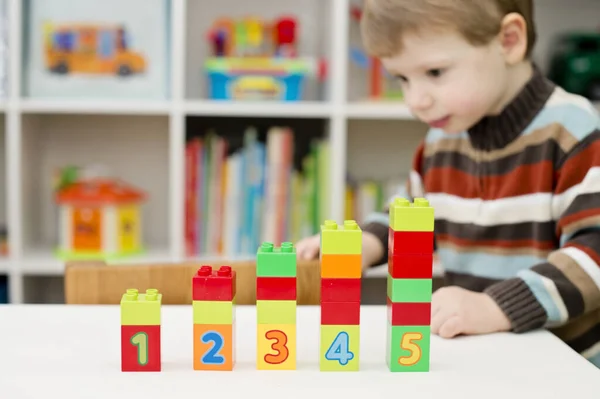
(511, 165)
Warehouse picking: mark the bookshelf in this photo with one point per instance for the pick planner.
(145, 141)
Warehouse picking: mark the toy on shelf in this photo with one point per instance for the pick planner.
(341, 271)
(140, 330)
(213, 307)
(276, 307)
(409, 285)
(252, 59)
(99, 218)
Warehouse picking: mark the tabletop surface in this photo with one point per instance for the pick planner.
(74, 351)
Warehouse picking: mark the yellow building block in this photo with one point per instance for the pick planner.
(213, 312)
(141, 309)
(345, 239)
(276, 312)
(340, 346)
(276, 347)
(418, 216)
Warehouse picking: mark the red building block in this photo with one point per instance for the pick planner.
(410, 266)
(409, 313)
(410, 242)
(276, 288)
(140, 348)
(340, 313)
(213, 285)
(340, 289)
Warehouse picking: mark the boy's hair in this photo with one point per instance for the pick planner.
(384, 22)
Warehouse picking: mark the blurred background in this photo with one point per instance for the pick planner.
(154, 130)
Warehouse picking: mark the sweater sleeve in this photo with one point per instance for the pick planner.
(378, 223)
(567, 285)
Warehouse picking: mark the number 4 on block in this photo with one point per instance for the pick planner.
(339, 348)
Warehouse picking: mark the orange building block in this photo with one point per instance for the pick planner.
(213, 347)
(341, 266)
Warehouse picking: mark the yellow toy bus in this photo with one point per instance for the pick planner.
(90, 49)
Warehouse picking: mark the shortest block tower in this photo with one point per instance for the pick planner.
(213, 307)
(140, 330)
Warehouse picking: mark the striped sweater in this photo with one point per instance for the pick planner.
(517, 205)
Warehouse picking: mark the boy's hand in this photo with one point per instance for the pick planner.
(455, 311)
(308, 248)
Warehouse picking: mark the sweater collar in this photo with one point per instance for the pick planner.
(497, 131)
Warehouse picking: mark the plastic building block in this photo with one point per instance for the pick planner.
(276, 288)
(418, 216)
(340, 290)
(141, 309)
(341, 266)
(408, 348)
(410, 266)
(214, 285)
(409, 313)
(274, 261)
(275, 316)
(276, 312)
(140, 330)
(346, 239)
(213, 316)
(409, 289)
(213, 312)
(276, 347)
(410, 242)
(339, 350)
(341, 273)
(340, 313)
(409, 285)
(214, 347)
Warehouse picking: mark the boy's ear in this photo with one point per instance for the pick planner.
(513, 38)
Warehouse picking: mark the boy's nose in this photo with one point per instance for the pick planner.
(418, 100)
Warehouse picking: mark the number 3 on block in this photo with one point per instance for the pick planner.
(278, 345)
(408, 344)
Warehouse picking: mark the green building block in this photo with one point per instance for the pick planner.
(418, 216)
(276, 312)
(274, 261)
(141, 309)
(407, 348)
(409, 289)
(213, 312)
(339, 240)
(340, 347)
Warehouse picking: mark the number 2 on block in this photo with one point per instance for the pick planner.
(279, 346)
(339, 349)
(140, 340)
(212, 355)
(409, 345)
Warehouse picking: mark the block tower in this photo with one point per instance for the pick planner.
(140, 330)
(213, 307)
(341, 271)
(276, 307)
(409, 285)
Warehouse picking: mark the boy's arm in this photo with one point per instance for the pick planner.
(568, 284)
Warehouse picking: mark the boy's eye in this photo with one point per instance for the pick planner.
(401, 78)
(434, 73)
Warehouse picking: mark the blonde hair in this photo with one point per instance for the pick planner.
(385, 21)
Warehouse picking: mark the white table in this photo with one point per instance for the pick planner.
(73, 352)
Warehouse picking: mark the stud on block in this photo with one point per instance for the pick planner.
(274, 261)
(214, 285)
(341, 240)
(418, 216)
(140, 330)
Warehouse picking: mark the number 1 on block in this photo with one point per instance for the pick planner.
(339, 348)
(140, 348)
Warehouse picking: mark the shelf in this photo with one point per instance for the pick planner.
(291, 109)
(114, 107)
(378, 110)
(4, 265)
(41, 261)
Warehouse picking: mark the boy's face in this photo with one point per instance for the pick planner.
(447, 82)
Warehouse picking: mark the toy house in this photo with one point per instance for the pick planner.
(99, 219)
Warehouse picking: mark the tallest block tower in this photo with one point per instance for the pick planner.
(409, 286)
(341, 271)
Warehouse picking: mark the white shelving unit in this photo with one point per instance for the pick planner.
(144, 141)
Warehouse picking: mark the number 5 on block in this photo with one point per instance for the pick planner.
(276, 347)
(408, 348)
